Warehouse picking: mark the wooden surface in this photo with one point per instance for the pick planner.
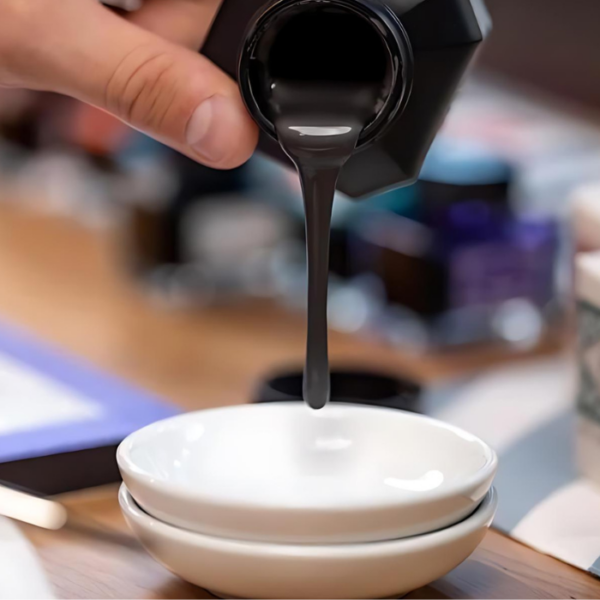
(60, 280)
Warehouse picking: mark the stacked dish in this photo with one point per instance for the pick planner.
(278, 501)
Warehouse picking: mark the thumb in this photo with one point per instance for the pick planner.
(79, 48)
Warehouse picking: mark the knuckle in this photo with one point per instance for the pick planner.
(142, 87)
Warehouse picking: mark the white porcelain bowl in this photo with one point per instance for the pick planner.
(284, 473)
(241, 569)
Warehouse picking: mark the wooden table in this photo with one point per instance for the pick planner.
(60, 280)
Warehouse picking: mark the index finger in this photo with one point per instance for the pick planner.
(184, 22)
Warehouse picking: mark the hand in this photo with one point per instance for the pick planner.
(143, 68)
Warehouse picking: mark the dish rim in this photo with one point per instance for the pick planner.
(480, 518)
(178, 491)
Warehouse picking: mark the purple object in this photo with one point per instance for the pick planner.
(471, 222)
(519, 264)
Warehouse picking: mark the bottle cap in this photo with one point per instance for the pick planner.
(350, 386)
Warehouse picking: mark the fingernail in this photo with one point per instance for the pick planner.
(206, 131)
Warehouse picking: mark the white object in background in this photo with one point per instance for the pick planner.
(238, 569)
(21, 576)
(588, 278)
(588, 398)
(574, 537)
(585, 202)
(31, 509)
(29, 399)
(283, 473)
(507, 404)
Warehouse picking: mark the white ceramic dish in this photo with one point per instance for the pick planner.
(286, 474)
(240, 569)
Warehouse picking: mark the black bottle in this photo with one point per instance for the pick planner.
(418, 49)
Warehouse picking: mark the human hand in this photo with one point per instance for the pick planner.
(142, 67)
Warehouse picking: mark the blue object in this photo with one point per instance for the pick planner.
(123, 407)
(463, 163)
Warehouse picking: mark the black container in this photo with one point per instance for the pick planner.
(347, 386)
(427, 46)
(398, 250)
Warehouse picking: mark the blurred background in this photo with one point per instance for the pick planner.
(191, 282)
(476, 252)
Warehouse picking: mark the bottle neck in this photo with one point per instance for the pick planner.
(327, 42)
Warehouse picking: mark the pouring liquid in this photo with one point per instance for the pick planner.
(318, 126)
(325, 74)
